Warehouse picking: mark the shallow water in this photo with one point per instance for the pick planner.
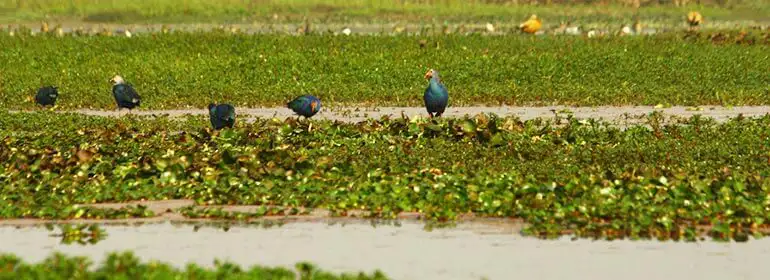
(470, 251)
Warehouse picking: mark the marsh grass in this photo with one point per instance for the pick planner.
(181, 70)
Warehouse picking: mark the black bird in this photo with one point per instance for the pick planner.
(222, 115)
(46, 96)
(125, 95)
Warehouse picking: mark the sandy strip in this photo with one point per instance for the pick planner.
(499, 28)
(621, 114)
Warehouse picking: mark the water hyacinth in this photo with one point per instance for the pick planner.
(653, 180)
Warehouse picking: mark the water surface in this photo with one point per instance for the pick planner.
(470, 251)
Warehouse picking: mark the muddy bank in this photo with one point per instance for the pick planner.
(172, 211)
(408, 252)
(169, 211)
(619, 115)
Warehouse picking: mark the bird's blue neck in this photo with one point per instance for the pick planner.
(435, 85)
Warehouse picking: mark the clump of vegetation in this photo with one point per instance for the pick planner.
(182, 70)
(82, 234)
(663, 179)
(125, 265)
(219, 213)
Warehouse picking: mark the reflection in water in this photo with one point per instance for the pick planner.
(82, 234)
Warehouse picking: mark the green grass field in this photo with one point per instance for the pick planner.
(597, 180)
(192, 69)
(170, 11)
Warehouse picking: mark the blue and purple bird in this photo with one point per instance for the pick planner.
(221, 115)
(306, 105)
(436, 96)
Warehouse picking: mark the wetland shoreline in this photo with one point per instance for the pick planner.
(168, 211)
(358, 114)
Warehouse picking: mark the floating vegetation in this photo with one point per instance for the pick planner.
(219, 213)
(661, 179)
(81, 233)
(125, 265)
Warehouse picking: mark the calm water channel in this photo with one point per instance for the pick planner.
(469, 251)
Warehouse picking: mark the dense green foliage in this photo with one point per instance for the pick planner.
(125, 265)
(165, 11)
(192, 69)
(592, 178)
